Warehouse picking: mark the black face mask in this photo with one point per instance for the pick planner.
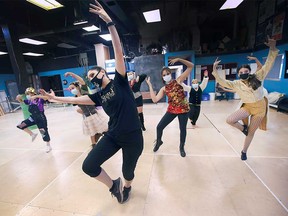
(97, 82)
(244, 76)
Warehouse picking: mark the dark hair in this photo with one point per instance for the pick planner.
(253, 82)
(163, 69)
(76, 84)
(98, 68)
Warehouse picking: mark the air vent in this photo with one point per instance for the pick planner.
(66, 46)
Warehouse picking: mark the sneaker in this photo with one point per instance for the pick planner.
(245, 130)
(243, 156)
(34, 135)
(126, 194)
(157, 145)
(116, 190)
(48, 148)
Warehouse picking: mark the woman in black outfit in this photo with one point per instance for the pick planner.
(124, 129)
(135, 84)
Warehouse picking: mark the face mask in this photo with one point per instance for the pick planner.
(130, 77)
(195, 85)
(244, 76)
(167, 78)
(74, 91)
(28, 97)
(97, 82)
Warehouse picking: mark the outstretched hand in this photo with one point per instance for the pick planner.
(50, 95)
(250, 58)
(148, 81)
(98, 9)
(173, 61)
(69, 74)
(271, 43)
(215, 65)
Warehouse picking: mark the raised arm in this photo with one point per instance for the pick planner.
(75, 76)
(155, 98)
(259, 65)
(188, 70)
(222, 82)
(204, 81)
(186, 87)
(273, 52)
(119, 60)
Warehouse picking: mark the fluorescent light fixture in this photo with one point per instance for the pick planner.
(31, 41)
(3, 53)
(152, 16)
(106, 37)
(231, 4)
(80, 22)
(46, 4)
(91, 28)
(33, 54)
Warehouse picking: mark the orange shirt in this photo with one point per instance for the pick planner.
(177, 102)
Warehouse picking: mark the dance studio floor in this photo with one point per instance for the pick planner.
(210, 181)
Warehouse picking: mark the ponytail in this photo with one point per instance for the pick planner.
(253, 82)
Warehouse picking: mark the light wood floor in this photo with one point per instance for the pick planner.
(210, 181)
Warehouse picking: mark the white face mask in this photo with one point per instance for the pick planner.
(28, 97)
(195, 85)
(167, 78)
(74, 91)
(130, 77)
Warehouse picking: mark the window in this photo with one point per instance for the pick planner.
(275, 73)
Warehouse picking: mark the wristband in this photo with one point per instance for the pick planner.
(110, 24)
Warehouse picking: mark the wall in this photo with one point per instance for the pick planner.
(6, 77)
(79, 71)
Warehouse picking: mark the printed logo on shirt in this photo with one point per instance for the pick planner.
(108, 95)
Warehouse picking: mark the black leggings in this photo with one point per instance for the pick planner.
(41, 122)
(167, 118)
(194, 113)
(131, 145)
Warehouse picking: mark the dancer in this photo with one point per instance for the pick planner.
(135, 84)
(250, 90)
(124, 129)
(95, 120)
(195, 96)
(36, 108)
(177, 103)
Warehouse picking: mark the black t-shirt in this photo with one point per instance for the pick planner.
(118, 102)
(136, 86)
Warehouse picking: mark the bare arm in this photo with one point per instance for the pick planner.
(119, 60)
(75, 76)
(155, 98)
(71, 100)
(19, 98)
(259, 65)
(188, 70)
(40, 96)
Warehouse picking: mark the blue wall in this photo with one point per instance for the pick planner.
(6, 77)
(271, 85)
(79, 71)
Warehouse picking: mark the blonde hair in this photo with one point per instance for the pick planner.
(30, 90)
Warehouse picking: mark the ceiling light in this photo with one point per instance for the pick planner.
(152, 16)
(79, 22)
(31, 41)
(46, 4)
(3, 53)
(231, 4)
(33, 54)
(91, 28)
(106, 37)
